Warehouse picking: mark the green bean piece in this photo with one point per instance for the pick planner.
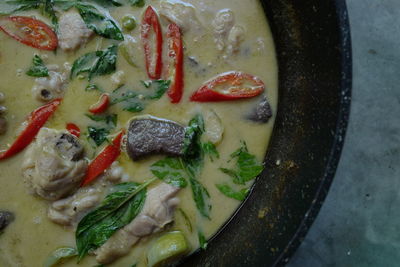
(168, 248)
(128, 22)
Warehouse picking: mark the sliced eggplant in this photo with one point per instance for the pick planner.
(151, 135)
(261, 113)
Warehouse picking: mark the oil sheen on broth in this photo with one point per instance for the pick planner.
(218, 37)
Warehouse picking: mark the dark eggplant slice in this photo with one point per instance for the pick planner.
(6, 218)
(261, 113)
(150, 135)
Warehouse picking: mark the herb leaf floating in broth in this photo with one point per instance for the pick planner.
(107, 2)
(137, 3)
(247, 166)
(160, 89)
(117, 210)
(231, 193)
(98, 135)
(99, 23)
(96, 63)
(171, 171)
(58, 255)
(210, 149)
(109, 119)
(202, 240)
(38, 69)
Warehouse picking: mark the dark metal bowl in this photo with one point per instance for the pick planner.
(312, 38)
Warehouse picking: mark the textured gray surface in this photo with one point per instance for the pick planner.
(359, 224)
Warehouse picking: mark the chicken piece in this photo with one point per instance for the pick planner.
(118, 78)
(54, 165)
(182, 14)
(158, 211)
(227, 36)
(223, 23)
(52, 87)
(235, 38)
(214, 128)
(150, 135)
(72, 32)
(69, 211)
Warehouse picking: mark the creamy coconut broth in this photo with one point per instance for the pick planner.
(218, 37)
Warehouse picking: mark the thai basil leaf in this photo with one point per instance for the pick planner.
(161, 87)
(171, 171)
(117, 210)
(96, 63)
(38, 69)
(229, 192)
(200, 195)
(98, 135)
(106, 3)
(202, 240)
(109, 119)
(134, 107)
(11, 6)
(58, 255)
(99, 23)
(247, 166)
(137, 3)
(210, 150)
(186, 218)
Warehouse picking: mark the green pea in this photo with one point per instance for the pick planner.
(167, 249)
(129, 22)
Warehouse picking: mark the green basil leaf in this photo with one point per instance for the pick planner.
(107, 3)
(96, 63)
(9, 7)
(137, 3)
(117, 210)
(98, 135)
(58, 255)
(202, 240)
(229, 192)
(170, 170)
(99, 23)
(161, 87)
(200, 195)
(109, 119)
(134, 107)
(210, 150)
(38, 69)
(247, 166)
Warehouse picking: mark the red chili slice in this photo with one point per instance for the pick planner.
(175, 68)
(73, 129)
(30, 32)
(229, 86)
(152, 48)
(35, 122)
(104, 160)
(101, 105)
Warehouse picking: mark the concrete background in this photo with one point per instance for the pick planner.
(359, 224)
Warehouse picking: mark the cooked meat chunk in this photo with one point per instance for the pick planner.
(72, 32)
(152, 135)
(51, 87)
(158, 211)
(261, 113)
(214, 127)
(3, 125)
(54, 164)
(182, 14)
(69, 211)
(223, 23)
(227, 36)
(6, 218)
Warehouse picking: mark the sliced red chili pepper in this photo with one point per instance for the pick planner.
(35, 122)
(229, 86)
(152, 46)
(175, 68)
(30, 32)
(104, 160)
(101, 105)
(73, 129)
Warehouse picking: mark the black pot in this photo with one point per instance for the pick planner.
(312, 39)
